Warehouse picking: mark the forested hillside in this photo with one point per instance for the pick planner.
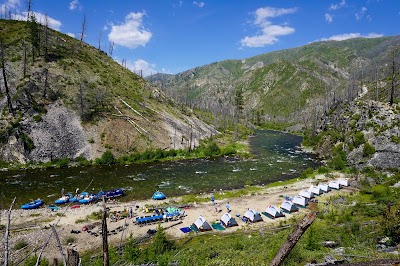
(290, 87)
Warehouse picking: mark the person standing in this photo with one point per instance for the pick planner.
(62, 192)
(228, 207)
(212, 199)
(130, 213)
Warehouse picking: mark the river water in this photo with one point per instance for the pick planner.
(277, 156)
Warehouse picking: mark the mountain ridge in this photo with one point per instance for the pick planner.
(322, 70)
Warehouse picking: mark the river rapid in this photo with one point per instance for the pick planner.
(277, 156)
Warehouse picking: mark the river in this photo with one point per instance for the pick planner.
(277, 156)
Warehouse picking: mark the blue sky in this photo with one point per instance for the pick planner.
(172, 36)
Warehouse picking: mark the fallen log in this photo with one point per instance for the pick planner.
(293, 238)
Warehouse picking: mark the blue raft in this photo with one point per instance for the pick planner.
(158, 195)
(89, 199)
(32, 205)
(79, 197)
(109, 194)
(64, 199)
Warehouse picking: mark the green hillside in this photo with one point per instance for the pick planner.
(65, 93)
(286, 85)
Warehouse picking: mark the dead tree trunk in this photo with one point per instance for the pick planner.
(7, 234)
(46, 82)
(391, 100)
(73, 257)
(83, 28)
(104, 230)
(3, 67)
(25, 59)
(53, 228)
(293, 238)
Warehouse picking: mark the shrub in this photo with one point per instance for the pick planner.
(106, 159)
(306, 173)
(359, 139)
(62, 163)
(368, 150)
(69, 240)
(20, 245)
(211, 149)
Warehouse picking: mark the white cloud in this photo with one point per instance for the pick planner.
(199, 4)
(40, 18)
(10, 4)
(360, 15)
(269, 32)
(338, 6)
(71, 34)
(141, 65)
(346, 36)
(328, 18)
(74, 5)
(131, 33)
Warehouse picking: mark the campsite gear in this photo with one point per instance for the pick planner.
(315, 190)
(306, 194)
(334, 185)
(228, 221)
(32, 205)
(273, 212)
(185, 230)
(300, 201)
(193, 228)
(288, 207)
(54, 208)
(158, 195)
(343, 182)
(202, 225)
(252, 216)
(324, 187)
(217, 226)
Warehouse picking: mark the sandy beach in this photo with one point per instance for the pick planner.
(32, 226)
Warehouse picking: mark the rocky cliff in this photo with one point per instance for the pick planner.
(368, 131)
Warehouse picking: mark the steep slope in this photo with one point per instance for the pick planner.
(366, 131)
(285, 85)
(70, 99)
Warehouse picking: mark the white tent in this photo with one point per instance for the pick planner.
(288, 206)
(300, 201)
(344, 182)
(252, 216)
(227, 220)
(202, 224)
(306, 194)
(324, 187)
(315, 190)
(334, 185)
(274, 211)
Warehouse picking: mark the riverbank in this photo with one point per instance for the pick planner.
(32, 226)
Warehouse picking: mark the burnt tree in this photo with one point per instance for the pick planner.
(3, 68)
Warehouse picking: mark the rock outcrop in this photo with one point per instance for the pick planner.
(369, 132)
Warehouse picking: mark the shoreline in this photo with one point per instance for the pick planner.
(83, 241)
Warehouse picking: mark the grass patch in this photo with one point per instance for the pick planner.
(20, 245)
